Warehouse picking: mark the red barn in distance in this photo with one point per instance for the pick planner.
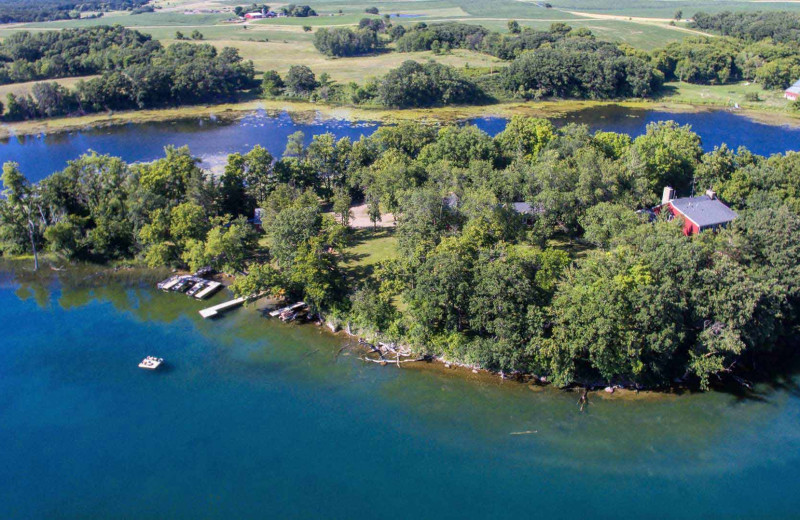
(792, 93)
(698, 213)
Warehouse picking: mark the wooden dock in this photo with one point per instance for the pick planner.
(222, 307)
(208, 291)
(277, 312)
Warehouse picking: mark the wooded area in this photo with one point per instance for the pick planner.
(478, 281)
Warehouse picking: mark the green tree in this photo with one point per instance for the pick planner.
(341, 206)
(272, 83)
(300, 80)
(608, 222)
(513, 27)
(667, 155)
(21, 208)
(260, 278)
(524, 137)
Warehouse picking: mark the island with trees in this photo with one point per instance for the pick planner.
(522, 253)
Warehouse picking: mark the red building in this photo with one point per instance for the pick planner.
(792, 93)
(698, 213)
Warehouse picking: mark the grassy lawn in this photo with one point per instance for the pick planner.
(280, 53)
(369, 247)
(575, 249)
(726, 95)
(21, 89)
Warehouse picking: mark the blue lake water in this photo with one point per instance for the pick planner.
(256, 419)
(212, 140)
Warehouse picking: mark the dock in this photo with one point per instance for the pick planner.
(207, 291)
(168, 284)
(277, 312)
(222, 307)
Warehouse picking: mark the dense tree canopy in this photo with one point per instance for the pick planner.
(183, 73)
(419, 85)
(522, 252)
(780, 26)
(46, 10)
(342, 41)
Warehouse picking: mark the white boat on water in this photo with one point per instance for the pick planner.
(151, 362)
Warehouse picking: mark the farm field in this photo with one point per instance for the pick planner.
(641, 24)
(277, 44)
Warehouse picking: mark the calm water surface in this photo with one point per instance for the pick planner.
(255, 419)
(212, 139)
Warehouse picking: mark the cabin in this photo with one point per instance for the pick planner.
(792, 93)
(698, 213)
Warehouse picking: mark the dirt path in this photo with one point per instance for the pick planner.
(660, 22)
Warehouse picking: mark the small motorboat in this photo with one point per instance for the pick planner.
(151, 363)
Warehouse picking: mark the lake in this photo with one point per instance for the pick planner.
(256, 419)
(213, 139)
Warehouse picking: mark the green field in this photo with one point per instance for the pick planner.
(642, 24)
(282, 42)
(369, 247)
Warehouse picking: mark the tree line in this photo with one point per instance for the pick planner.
(755, 26)
(182, 73)
(577, 287)
(26, 56)
(19, 11)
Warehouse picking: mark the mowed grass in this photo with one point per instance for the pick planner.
(281, 53)
(727, 95)
(369, 248)
(22, 89)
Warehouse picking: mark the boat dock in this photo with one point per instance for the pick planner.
(210, 289)
(277, 312)
(195, 285)
(222, 307)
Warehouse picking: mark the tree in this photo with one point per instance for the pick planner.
(608, 222)
(292, 227)
(259, 173)
(22, 206)
(678, 15)
(260, 278)
(374, 209)
(315, 269)
(524, 137)
(371, 10)
(667, 155)
(513, 27)
(179, 35)
(226, 247)
(300, 80)
(341, 205)
(420, 85)
(272, 83)
(196, 35)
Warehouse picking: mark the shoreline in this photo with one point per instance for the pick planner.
(91, 275)
(236, 111)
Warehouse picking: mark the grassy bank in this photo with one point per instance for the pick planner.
(692, 99)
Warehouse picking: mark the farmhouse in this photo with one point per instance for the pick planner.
(793, 93)
(698, 213)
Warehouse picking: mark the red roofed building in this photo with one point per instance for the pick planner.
(698, 213)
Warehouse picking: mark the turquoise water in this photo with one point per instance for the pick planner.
(255, 419)
(213, 139)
